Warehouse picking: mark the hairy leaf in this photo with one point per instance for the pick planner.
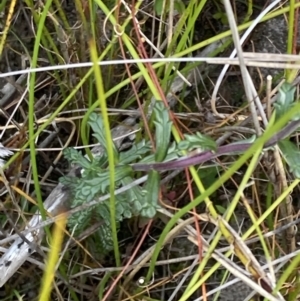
(135, 152)
(134, 196)
(285, 99)
(97, 125)
(163, 127)
(74, 156)
(70, 182)
(152, 193)
(101, 242)
(291, 155)
(197, 141)
(95, 181)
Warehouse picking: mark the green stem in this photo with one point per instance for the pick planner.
(31, 113)
(109, 148)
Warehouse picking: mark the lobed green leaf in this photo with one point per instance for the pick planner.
(197, 141)
(163, 127)
(291, 155)
(136, 152)
(97, 126)
(285, 99)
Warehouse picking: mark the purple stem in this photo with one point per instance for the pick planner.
(221, 151)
